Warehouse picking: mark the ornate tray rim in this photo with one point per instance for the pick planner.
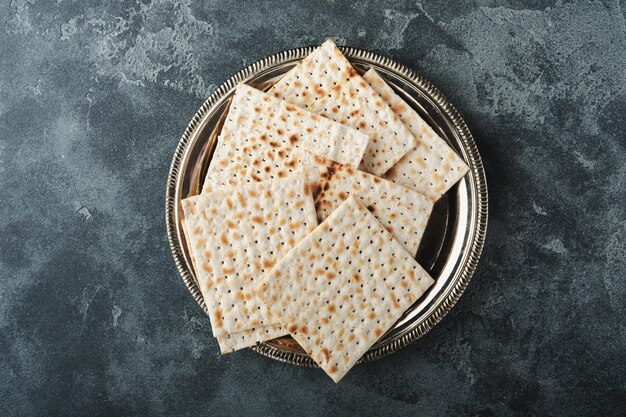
(479, 216)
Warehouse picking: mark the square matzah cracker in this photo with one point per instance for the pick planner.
(342, 287)
(402, 211)
(231, 342)
(325, 83)
(432, 167)
(236, 235)
(261, 133)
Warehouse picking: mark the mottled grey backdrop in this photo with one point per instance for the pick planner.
(94, 319)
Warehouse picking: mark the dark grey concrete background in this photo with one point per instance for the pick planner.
(94, 319)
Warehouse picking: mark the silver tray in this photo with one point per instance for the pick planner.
(455, 235)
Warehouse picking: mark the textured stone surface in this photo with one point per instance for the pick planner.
(93, 317)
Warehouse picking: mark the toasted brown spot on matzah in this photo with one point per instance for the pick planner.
(226, 270)
(411, 274)
(325, 353)
(398, 107)
(217, 319)
(294, 225)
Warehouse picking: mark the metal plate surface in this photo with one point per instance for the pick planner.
(455, 235)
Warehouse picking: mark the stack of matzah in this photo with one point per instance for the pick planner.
(325, 83)
(326, 146)
(235, 236)
(432, 167)
(402, 211)
(261, 134)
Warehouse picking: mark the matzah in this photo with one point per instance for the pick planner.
(402, 211)
(432, 167)
(231, 342)
(235, 236)
(261, 133)
(342, 287)
(327, 84)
